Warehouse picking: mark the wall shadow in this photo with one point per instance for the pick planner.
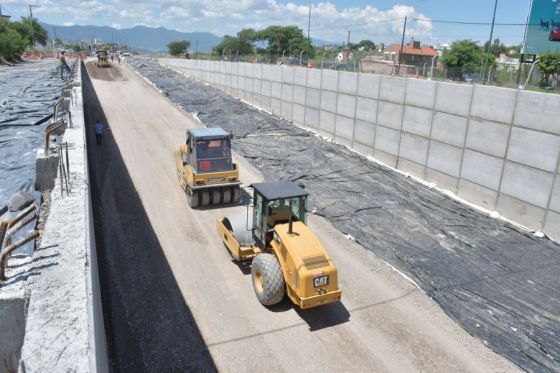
(149, 327)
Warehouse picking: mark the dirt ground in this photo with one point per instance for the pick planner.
(174, 300)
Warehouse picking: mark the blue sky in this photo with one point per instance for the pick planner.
(380, 21)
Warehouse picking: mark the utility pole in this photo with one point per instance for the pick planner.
(402, 43)
(54, 41)
(489, 45)
(31, 20)
(308, 31)
(309, 22)
(196, 50)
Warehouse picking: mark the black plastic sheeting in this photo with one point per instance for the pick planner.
(27, 94)
(500, 283)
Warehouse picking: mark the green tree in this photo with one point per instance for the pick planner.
(11, 42)
(464, 57)
(549, 64)
(288, 39)
(366, 44)
(177, 48)
(39, 33)
(24, 30)
(514, 51)
(496, 48)
(242, 43)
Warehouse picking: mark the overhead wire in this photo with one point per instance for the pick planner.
(472, 23)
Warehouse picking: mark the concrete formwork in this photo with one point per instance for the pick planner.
(495, 147)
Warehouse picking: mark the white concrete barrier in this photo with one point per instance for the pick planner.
(496, 147)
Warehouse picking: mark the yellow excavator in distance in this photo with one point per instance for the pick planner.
(287, 257)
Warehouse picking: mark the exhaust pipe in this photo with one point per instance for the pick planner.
(290, 225)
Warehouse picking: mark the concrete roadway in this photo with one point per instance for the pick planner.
(384, 323)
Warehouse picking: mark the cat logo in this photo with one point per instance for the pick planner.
(320, 281)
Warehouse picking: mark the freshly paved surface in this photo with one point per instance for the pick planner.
(383, 324)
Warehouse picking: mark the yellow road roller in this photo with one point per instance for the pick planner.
(102, 60)
(205, 169)
(287, 257)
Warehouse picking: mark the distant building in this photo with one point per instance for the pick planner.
(413, 54)
(5, 17)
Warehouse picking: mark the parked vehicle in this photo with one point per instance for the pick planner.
(554, 35)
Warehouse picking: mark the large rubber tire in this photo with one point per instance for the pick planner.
(236, 195)
(216, 196)
(192, 198)
(226, 196)
(204, 198)
(268, 280)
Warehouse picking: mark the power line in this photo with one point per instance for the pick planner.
(474, 23)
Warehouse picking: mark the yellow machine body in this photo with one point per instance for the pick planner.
(310, 275)
(309, 272)
(189, 178)
(207, 186)
(102, 60)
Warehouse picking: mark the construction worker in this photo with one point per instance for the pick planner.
(98, 132)
(63, 65)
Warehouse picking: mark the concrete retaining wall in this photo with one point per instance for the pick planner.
(13, 313)
(64, 329)
(498, 148)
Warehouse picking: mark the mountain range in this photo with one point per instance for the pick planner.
(140, 37)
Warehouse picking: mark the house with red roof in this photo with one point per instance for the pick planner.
(413, 53)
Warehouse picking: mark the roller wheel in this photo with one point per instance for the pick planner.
(216, 193)
(192, 197)
(236, 195)
(204, 198)
(268, 281)
(226, 196)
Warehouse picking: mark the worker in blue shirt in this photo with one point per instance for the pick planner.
(98, 132)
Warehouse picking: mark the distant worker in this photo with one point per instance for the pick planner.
(63, 65)
(98, 132)
(112, 55)
(119, 58)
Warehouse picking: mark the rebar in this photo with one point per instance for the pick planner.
(21, 215)
(4, 255)
(60, 168)
(67, 162)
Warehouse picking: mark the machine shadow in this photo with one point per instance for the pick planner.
(149, 327)
(244, 266)
(324, 316)
(316, 318)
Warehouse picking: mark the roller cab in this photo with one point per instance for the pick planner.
(102, 60)
(205, 168)
(287, 256)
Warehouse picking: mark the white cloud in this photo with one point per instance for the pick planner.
(328, 21)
